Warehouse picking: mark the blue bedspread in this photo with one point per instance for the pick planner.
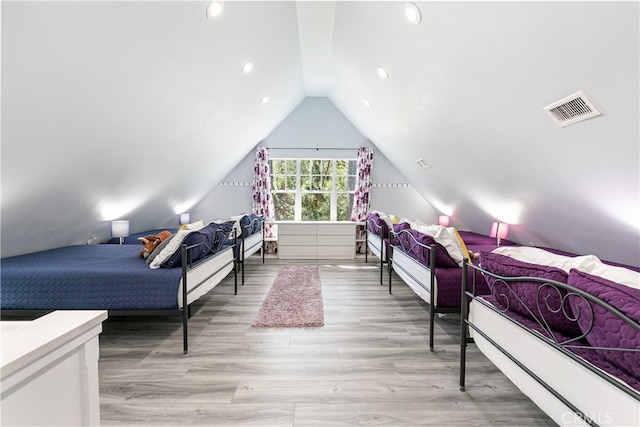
(107, 277)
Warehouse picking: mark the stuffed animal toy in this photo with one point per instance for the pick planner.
(151, 242)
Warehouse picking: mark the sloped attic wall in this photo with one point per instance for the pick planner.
(466, 91)
(316, 123)
(132, 110)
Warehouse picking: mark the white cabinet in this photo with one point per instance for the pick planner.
(316, 240)
(50, 370)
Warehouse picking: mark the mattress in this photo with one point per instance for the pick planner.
(108, 277)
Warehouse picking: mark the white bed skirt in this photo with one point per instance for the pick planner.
(603, 402)
(210, 273)
(252, 244)
(375, 245)
(417, 276)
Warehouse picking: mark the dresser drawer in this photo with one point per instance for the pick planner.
(337, 240)
(296, 252)
(296, 240)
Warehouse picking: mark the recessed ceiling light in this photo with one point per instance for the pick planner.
(215, 9)
(246, 68)
(366, 102)
(412, 13)
(264, 99)
(382, 72)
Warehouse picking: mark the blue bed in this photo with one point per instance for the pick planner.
(115, 278)
(250, 232)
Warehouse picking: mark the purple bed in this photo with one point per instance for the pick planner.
(558, 330)
(377, 240)
(430, 271)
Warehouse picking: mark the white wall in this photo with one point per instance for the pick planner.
(316, 123)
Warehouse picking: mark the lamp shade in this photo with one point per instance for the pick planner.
(120, 228)
(185, 218)
(443, 220)
(499, 230)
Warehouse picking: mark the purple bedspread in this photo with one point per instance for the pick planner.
(448, 273)
(595, 356)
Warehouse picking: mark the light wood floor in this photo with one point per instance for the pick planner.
(369, 365)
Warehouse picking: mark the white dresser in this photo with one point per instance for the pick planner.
(316, 240)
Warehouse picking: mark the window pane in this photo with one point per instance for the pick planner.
(291, 167)
(277, 183)
(342, 183)
(305, 167)
(291, 182)
(345, 203)
(342, 167)
(326, 167)
(276, 166)
(326, 183)
(316, 183)
(316, 207)
(316, 167)
(284, 204)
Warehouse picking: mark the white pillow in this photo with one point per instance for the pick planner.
(407, 220)
(621, 275)
(171, 248)
(387, 219)
(428, 229)
(445, 236)
(196, 225)
(237, 229)
(539, 256)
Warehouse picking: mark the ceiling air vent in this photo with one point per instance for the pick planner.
(572, 109)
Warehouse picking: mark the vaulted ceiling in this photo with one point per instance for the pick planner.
(140, 108)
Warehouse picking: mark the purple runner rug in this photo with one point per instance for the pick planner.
(294, 300)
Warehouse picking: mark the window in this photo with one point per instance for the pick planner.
(313, 189)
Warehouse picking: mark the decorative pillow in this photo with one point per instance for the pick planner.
(549, 304)
(463, 247)
(237, 227)
(387, 220)
(244, 222)
(170, 249)
(401, 226)
(445, 237)
(204, 235)
(256, 222)
(608, 330)
(374, 218)
(408, 239)
(159, 249)
(213, 237)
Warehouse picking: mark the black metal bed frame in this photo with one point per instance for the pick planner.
(384, 253)
(564, 291)
(241, 249)
(433, 309)
(184, 312)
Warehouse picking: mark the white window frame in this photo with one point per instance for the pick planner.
(298, 192)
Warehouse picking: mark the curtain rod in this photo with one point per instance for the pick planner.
(311, 148)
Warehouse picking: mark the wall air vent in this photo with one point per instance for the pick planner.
(572, 109)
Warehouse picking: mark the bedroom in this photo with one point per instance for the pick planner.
(140, 111)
